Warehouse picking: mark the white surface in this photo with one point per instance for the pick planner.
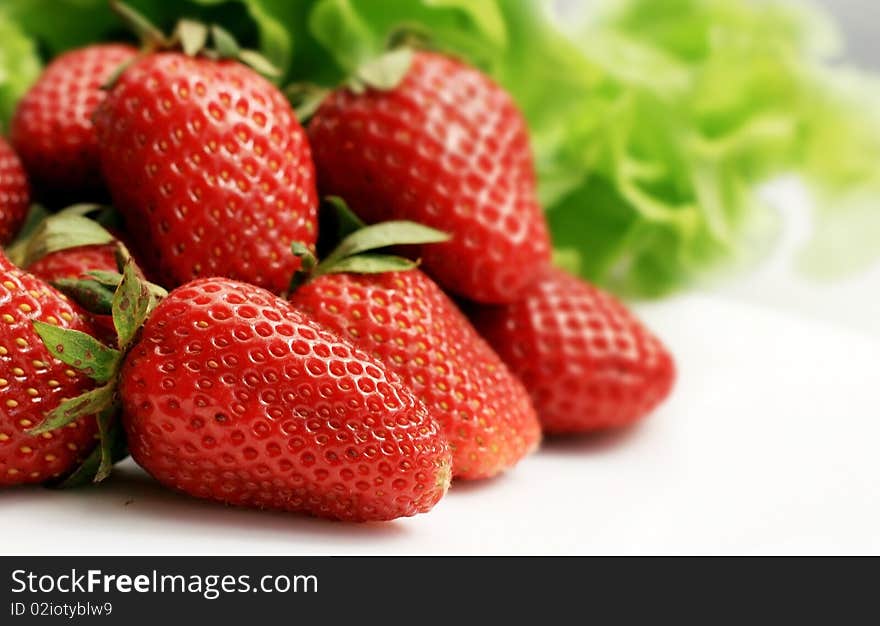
(768, 445)
(851, 301)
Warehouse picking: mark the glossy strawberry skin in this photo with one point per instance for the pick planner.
(14, 193)
(232, 395)
(52, 127)
(76, 263)
(33, 382)
(404, 320)
(588, 363)
(447, 148)
(206, 160)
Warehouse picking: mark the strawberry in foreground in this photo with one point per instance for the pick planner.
(206, 159)
(230, 394)
(34, 383)
(268, 409)
(587, 362)
(423, 137)
(14, 193)
(52, 128)
(403, 319)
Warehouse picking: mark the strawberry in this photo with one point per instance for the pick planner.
(52, 127)
(64, 249)
(232, 395)
(14, 193)
(76, 262)
(34, 383)
(393, 311)
(587, 362)
(206, 158)
(446, 147)
(406, 321)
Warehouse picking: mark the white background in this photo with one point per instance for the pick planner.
(858, 19)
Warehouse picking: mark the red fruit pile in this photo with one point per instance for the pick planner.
(352, 387)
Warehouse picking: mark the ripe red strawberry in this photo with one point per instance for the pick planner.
(33, 382)
(207, 160)
(14, 193)
(64, 249)
(75, 262)
(448, 148)
(588, 363)
(52, 128)
(406, 321)
(232, 395)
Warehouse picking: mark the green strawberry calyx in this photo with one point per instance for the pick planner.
(361, 248)
(381, 73)
(129, 299)
(190, 36)
(45, 232)
(69, 228)
(305, 98)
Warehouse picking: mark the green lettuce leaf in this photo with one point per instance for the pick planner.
(701, 101)
(19, 65)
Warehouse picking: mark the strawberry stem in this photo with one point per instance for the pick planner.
(357, 251)
(151, 37)
(308, 262)
(191, 37)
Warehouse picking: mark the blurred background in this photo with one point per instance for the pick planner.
(852, 301)
(858, 19)
(849, 298)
